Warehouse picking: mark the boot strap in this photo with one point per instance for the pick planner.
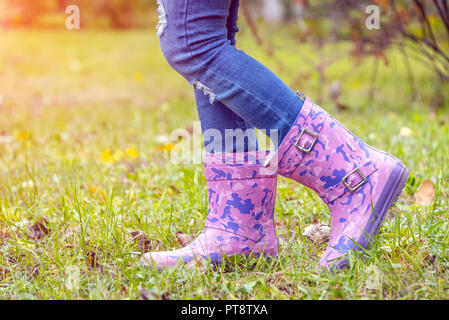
(351, 182)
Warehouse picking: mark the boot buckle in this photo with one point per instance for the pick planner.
(348, 184)
(303, 148)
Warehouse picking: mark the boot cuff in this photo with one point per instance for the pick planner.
(237, 166)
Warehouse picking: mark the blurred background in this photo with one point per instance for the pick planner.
(418, 31)
(107, 82)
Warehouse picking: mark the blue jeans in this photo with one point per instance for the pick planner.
(233, 91)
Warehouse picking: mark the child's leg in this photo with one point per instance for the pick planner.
(241, 195)
(195, 41)
(223, 130)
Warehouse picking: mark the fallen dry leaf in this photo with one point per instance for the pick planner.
(23, 135)
(146, 295)
(138, 77)
(34, 271)
(3, 273)
(288, 288)
(92, 260)
(342, 107)
(4, 236)
(275, 277)
(107, 156)
(317, 233)
(184, 239)
(430, 259)
(143, 243)
(96, 192)
(425, 194)
(132, 153)
(166, 147)
(39, 229)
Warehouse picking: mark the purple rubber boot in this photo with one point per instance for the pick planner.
(242, 193)
(351, 177)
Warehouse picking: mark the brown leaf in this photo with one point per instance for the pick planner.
(39, 229)
(4, 236)
(288, 288)
(92, 260)
(342, 107)
(143, 243)
(146, 295)
(425, 194)
(3, 272)
(165, 296)
(430, 259)
(34, 271)
(184, 239)
(175, 190)
(317, 233)
(275, 277)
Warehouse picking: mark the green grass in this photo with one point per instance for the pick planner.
(68, 97)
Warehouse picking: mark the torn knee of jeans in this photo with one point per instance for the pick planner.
(162, 24)
(207, 92)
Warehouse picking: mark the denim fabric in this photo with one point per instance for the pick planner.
(232, 90)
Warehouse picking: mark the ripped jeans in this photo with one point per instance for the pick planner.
(234, 93)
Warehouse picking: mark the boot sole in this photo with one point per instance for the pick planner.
(390, 195)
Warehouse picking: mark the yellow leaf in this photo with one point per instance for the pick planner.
(138, 77)
(107, 156)
(166, 147)
(132, 153)
(425, 194)
(95, 192)
(23, 135)
(355, 84)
